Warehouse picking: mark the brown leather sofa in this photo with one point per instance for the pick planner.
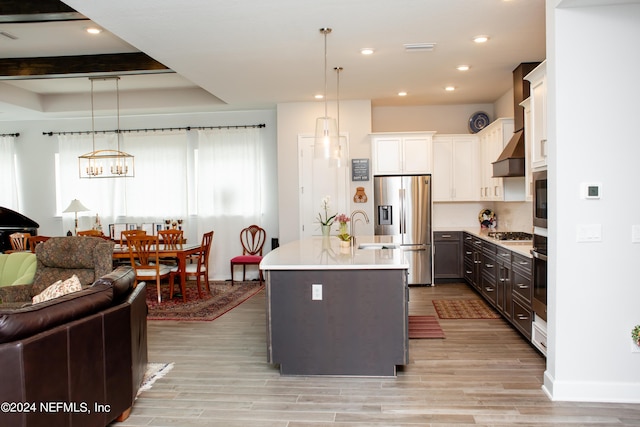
(76, 360)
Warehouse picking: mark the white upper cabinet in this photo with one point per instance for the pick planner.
(538, 106)
(528, 177)
(402, 153)
(455, 173)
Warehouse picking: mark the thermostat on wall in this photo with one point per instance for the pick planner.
(591, 190)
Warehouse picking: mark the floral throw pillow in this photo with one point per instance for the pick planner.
(58, 289)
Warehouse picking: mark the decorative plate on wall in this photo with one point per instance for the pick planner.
(478, 121)
(487, 218)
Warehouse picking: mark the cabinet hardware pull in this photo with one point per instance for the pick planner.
(522, 317)
(469, 238)
(468, 271)
(521, 286)
(488, 289)
(524, 262)
(544, 344)
(489, 265)
(446, 236)
(468, 253)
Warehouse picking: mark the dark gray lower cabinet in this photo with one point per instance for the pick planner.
(503, 278)
(357, 327)
(447, 259)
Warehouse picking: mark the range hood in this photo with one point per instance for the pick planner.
(511, 161)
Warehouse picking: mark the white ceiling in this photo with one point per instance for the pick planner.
(254, 54)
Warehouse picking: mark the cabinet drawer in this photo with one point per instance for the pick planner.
(503, 255)
(522, 318)
(489, 290)
(522, 262)
(489, 248)
(522, 286)
(489, 265)
(446, 236)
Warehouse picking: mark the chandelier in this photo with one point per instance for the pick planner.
(106, 163)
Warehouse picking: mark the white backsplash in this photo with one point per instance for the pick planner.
(511, 216)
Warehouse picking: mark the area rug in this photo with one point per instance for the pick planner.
(223, 297)
(153, 372)
(464, 309)
(424, 327)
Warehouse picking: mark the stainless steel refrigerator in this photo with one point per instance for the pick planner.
(402, 209)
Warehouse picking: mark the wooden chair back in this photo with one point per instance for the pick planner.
(35, 241)
(145, 260)
(124, 236)
(252, 239)
(171, 239)
(19, 241)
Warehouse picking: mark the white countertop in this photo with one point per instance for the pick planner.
(521, 247)
(324, 253)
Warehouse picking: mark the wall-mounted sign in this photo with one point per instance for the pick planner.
(359, 169)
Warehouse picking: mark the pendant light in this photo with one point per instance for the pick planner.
(326, 136)
(337, 155)
(106, 163)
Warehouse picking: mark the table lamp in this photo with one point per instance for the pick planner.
(76, 206)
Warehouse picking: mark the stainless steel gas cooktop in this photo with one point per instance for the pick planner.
(510, 235)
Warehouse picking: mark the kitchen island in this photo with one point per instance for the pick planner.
(336, 311)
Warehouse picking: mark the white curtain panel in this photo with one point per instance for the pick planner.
(229, 192)
(9, 193)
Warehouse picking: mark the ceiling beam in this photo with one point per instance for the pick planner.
(16, 11)
(79, 65)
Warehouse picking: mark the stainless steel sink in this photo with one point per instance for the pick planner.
(369, 246)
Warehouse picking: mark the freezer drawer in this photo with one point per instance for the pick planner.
(419, 258)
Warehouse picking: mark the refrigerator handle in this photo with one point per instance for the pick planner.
(403, 217)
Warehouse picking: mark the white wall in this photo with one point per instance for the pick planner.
(300, 118)
(594, 294)
(36, 166)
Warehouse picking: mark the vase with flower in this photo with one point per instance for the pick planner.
(327, 220)
(343, 234)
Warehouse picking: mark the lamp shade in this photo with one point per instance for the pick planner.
(76, 206)
(326, 138)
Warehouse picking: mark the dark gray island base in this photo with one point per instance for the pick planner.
(358, 328)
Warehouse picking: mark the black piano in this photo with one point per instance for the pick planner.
(14, 222)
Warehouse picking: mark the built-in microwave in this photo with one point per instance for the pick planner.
(540, 210)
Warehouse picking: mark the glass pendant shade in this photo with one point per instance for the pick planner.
(327, 142)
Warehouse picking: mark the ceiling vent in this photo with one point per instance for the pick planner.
(419, 47)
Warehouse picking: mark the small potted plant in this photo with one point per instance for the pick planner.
(635, 335)
(327, 221)
(343, 234)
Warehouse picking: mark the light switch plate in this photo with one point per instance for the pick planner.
(316, 292)
(589, 233)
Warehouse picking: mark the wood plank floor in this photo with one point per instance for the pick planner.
(482, 374)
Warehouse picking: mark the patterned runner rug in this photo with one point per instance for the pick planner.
(464, 309)
(223, 298)
(424, 327)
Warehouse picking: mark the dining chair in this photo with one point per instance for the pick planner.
(252, 239)
(19, 242)
(144, 257)
(35, 241)
(170, 239)
(199, 267)
(124, 235)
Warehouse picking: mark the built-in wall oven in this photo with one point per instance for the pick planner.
(539, 253)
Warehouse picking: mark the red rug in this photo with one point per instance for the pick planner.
(223, 297)
(424, 327)
(464, 309)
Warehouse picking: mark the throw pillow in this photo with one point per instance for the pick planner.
(58, 289)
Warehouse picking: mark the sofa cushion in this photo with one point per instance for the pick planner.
(58, 289)
(29, 320)
(121, 279)
(17, 268)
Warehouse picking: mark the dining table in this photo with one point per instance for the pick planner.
(181, 253)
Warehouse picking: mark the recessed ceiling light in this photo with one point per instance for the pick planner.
(366, 51)
(402, 93)
(450, 88)
(463, 67)
(480, 39)
(319, 96)
(93, 30)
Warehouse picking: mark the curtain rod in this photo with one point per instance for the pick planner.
(10, 134)
(188, 128)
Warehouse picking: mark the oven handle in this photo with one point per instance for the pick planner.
(538, 255)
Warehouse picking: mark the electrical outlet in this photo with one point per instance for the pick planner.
(316, 292)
